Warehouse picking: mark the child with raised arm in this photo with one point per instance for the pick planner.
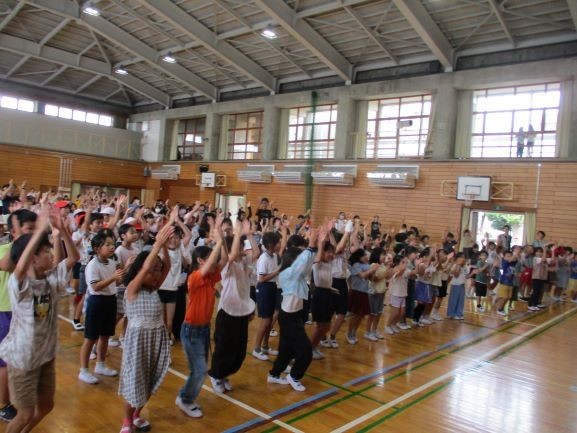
(146, 355)
(235, 309)
(195, 331)
(294, 343)
(29, 349)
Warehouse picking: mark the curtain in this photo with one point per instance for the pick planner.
(283, 134)
(530, 227)
(360, 137)
(465, 216)
(464, 122)
(564, 120)
(172, 152)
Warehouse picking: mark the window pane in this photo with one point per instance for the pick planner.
(105, 120)
(79, 115)
(26, 105)
(551, 120)
(498, 122)
(8, 102)
(51, 110)
(65, 113)
(92, 118)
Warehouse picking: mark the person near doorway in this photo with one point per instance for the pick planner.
(520, 142)
(504, 239)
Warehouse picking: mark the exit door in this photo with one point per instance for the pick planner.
(230, 204)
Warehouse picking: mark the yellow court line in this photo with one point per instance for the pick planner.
(485, 357)
(226, 397)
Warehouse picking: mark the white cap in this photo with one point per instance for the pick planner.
(77, 211)
(247, 245)
(129, 220)
(108, 211)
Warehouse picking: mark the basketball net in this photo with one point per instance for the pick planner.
(469, 199)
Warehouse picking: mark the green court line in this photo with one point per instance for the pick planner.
(443, 386)
(404, 372)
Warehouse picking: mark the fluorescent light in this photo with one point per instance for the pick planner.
(169, 59)
(121, 71)
(269, 33)
(90, 9)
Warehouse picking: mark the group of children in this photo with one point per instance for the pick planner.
(127, 263)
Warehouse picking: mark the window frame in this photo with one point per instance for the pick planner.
(232, 133)
(197, 148)
(377, 135)
(299, 146)
(540, 131)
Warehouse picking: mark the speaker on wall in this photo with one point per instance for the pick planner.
(203, 168)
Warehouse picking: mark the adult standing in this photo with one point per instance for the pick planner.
(520, 142)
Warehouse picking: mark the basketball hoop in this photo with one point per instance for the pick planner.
(469, 199)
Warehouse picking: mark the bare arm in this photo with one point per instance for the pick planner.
(25, 260)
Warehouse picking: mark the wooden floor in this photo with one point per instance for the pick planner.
(486, 374)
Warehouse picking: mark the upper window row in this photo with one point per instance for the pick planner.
(506, 122)
(55, 111)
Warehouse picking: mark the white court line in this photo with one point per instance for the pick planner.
(226, 397)
(485, 357)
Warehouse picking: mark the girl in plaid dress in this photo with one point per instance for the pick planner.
(146, 355)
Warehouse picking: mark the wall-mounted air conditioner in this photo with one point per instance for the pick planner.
(335, 174)
(394, 176)
(166, 172)
(256, 173)
(295, 174)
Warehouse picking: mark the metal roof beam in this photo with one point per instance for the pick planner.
(373, 35)
(87, 84)
(17, 66)
(129, 43)
(11, 15)
(55, 74)
(306, 35)
(573, 9)
(195, 29)
(65, 58)
(416, 14)
(54, 31)
(496, 8)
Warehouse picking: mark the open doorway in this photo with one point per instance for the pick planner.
(489, 224)
(230, 203)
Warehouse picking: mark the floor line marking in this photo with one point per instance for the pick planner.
(238, 403)
(483, 359)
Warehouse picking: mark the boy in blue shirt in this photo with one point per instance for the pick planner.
(505, 287)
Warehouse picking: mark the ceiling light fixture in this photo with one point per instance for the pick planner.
(269, 33)
(121, 71)
(89, 9)
(169, 59)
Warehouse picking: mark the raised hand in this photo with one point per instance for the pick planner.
(173, 214)
(246, 228)
(164, 234)
(313, 235)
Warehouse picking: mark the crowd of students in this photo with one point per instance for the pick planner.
(123, 263)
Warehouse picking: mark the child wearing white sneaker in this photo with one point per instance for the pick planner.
(103, 274)
(146, 355)
(29, 349)
(441, 280)
(423, 292)
(294, 343)
(377, 291)
(398, 290)
(235, 309)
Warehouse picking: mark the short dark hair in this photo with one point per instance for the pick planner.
(20, 244)
(95, 217)
(542, 232)
(123, 229)
(100, 238)
(270, 239)
(23, 216)
(537, 249)
(201, 252)
(296, 241)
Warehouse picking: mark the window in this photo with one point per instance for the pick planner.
(398, 127)
(499, 115)
(51, 110)
(77, 115)
(17, 104)
(245, 135)
(190, 144)
(312, 132)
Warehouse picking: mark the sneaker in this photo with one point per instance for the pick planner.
(427, 321)
(192, 410)
(438, 318)
(396, 330)
(574, 301)
(421, 324)
(317, 354)
(140, 424)
(389, 330)
(77, 325)
(103, 370)
(326, 343)
(334, 344)
(273, 333)
(501, 312)
(269, 351)
(379, 335)
(533, 308)
(7, 413)
(92, 355)
(278, 380)
(113, 342)
(227, 384)
(296, 384)
(460, 318)
(351, 339)
(542, 306)
(260, 355)
(217, 385)
(87, 377)
(480, 309)
(403, 326)
(370, 336)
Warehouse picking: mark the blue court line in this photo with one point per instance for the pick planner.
(282, 411)
(257, 421)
